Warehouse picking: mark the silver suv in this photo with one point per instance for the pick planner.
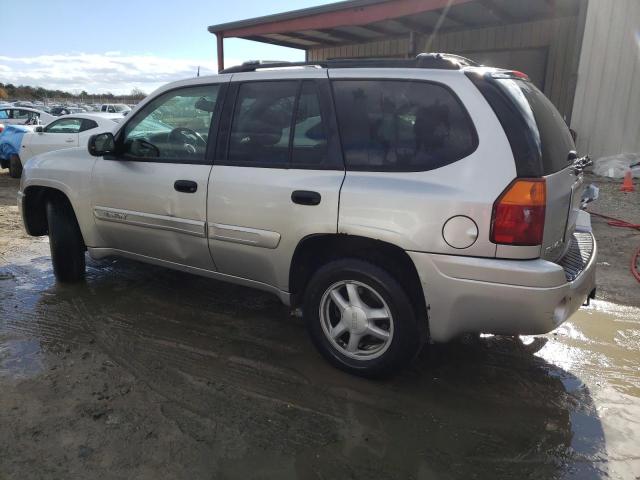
(393, 202)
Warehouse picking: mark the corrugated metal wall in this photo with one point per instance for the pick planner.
(559, 36)
(606, 111)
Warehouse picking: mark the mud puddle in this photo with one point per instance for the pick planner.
(20, 358)
(601, 344)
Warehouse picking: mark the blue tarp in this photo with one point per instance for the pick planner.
(11, 139)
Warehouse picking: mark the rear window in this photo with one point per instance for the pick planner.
(391, 125)
(547, 125)
(88, 125)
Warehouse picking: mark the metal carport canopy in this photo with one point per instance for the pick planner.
(358, 21)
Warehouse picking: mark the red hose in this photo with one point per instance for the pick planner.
(634, 265)
(616, 222)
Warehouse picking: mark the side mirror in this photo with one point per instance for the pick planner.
(39, 129)
(101, 144)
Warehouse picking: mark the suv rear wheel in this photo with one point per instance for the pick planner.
(65, 241)
(361, 319)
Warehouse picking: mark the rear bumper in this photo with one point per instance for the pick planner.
(505, 297)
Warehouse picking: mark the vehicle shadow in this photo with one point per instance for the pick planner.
(232, 357)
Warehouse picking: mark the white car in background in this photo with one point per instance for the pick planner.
(64, 132)
(12, 115)
(115, 108)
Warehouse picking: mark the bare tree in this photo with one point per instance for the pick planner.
(137, 94)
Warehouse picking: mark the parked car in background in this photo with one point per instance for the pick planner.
(10, 141)
(392, 202)
(115, 108)
(66, 110)
(12, 115)
(64, 132)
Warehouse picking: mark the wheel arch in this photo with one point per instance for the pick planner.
(314, 251)
(34, 207)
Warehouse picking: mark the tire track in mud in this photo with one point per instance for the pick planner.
(25, 307)
(220, 367)
(205, 381)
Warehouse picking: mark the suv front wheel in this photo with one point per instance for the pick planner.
(65, 241)
(361, 319)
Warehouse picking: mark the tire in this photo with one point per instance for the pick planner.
(65, 241)
(380, 294)
(15, 166)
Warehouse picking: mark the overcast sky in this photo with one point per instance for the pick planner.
(117, 45)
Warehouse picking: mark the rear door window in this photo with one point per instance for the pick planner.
(392, 125)
(281, 124)
(310, 137)
(261, 126)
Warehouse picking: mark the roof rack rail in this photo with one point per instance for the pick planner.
(444, 61)
(253, 65)
(447, 57)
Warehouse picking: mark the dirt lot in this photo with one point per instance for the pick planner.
(147, 373)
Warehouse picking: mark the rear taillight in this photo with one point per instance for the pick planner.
(518, 214)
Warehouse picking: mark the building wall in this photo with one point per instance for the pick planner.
(606, 113)
(559, 36)
(393, 47)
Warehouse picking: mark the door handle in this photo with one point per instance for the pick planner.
(186, 186)
(305, 197)
(70, 140)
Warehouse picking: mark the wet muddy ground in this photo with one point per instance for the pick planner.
(142, 372)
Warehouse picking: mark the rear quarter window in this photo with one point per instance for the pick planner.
(395, 125)
(87, 125)
(555, 138)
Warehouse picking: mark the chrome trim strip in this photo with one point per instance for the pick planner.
(244, 235)
(97, 253)
(150, 220)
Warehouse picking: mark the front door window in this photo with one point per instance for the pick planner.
(64, 125)
(175, 126)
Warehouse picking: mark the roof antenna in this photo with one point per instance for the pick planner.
(198, 74)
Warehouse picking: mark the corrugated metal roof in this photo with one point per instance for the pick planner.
(358, 21)
(303, 12)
